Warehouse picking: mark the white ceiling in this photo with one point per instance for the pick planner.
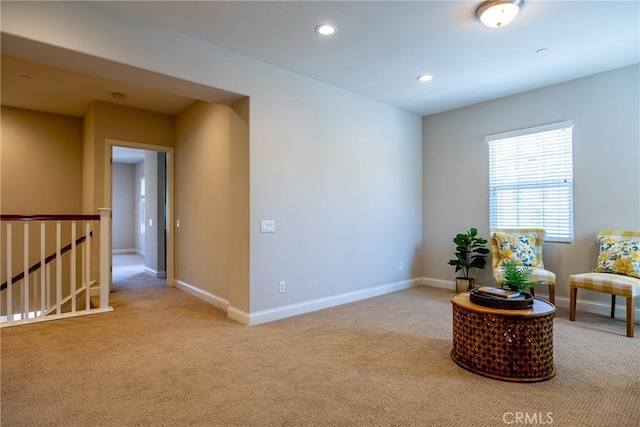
(35, 86)
(380, 48)
(130, 156)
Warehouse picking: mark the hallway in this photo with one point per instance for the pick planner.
(129, 273)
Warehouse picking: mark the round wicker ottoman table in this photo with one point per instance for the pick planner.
(509, 345)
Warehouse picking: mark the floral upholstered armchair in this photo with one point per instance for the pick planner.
(524, 246)
(617, 272)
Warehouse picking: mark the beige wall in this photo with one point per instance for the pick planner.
(88, 161)
(206, 135)
(604, 109)
(239, 292)
(41, 155)
(109, 121)
(342, 177)
(123, 215)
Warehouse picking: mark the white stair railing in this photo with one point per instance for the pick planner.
(31, 296)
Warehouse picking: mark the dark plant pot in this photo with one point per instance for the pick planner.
(464, 284)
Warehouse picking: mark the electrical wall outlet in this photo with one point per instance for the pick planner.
(282, 287)
(267, 226)
(401, 266)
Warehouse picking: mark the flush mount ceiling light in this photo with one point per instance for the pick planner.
(498, 13)
(325, 29)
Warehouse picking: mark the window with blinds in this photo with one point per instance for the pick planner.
(531, 180)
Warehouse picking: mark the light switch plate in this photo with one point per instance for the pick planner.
(267, 226)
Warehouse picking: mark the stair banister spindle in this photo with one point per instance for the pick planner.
(86, 265)
(58, 267)
(25, 279)
(43, 282)
(9, 274)
(89, 246)
(72, 285)
(1, 253)
(2, 301)
(47, 270)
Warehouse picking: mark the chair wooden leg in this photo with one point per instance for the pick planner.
(613, 306)
(552, 294)
(573, 296)
(631, 306)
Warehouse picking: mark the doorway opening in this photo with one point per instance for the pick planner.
(139, 193)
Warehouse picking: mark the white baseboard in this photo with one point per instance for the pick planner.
(212, 299)
(127, 251)
(277, 313)
(150, 271)
(598, 307)
(238, 315)
(438, 283)
(587, 306)
(291, 310)
(283, 312)
(123, 251)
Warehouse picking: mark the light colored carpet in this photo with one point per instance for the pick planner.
(128, 271)
(165, 358)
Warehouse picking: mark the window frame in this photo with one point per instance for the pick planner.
(548, 150)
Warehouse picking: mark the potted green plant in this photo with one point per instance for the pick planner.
(516, 278)
(471, 252)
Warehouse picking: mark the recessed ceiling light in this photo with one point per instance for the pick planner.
(542, 51)
(26, 77)
(325, 29)
(118, 95)
(425, 77)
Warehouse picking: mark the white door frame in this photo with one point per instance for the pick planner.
(109, 144)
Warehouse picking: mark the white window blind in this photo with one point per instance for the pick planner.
(531, 180)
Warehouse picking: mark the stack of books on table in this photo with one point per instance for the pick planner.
(500, 294)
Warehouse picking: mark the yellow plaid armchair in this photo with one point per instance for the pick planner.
(538, 273)
(610, 283)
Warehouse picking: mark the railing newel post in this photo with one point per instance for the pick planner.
(105, 214)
